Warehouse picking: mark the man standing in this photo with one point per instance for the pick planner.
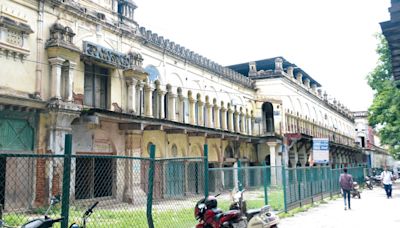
(386, 177)
(346, 184)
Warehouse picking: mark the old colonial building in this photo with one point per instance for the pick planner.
(87, 68)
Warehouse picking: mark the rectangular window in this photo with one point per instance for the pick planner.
(94, 178)
(96, 86)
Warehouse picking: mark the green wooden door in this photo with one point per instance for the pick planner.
(15, 135)
(175, 179)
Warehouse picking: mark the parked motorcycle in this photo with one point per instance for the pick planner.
(257, 218)
(376, 180)
(368, 183)
(44, 222)
(355, 191)
(85, 216)
(209, 215)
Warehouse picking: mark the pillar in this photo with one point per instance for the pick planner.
(209, 112)
(276, 163)
(131, 82)
(248, 123)
(139, 99)
(216, 115)
(56, 64)
(253, 123)
(171, 115)
(70, 82)
(160, 106)
(148, 106)
(237, 127)
(191, 108)
(223, 117)
(230, 118)
(243, 121)
(200, 104)
(181, 99)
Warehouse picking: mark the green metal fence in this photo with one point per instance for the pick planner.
(148, 192)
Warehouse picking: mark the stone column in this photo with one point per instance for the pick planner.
(253, 123)
(209, 112)
(200, 105)
(216, 115)
(243, 121)
(139, 102)
(171, 115)
(70, 82)
(223, 117)
(131, 82)
(237, 127)
(181, 99)
(148, 106)
(56, 64)
(230, 118)
(160, 107)
(248, 121)
(191, 108)
(275, 163)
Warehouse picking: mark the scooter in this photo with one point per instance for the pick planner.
(85, 216)
(257, 218)
(355, 191)
(210, 216)
(45, 222)
(368, 183)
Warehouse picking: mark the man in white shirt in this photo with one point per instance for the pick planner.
(386, 177)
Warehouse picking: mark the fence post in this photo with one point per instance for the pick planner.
(206, 170)
(284, 188)
(265, 183)
(240, 177)
(66, 181)
(330, 178)
(149, 213)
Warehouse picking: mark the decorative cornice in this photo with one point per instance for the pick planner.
(175, 49)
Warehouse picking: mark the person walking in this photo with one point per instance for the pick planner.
(386, 177)
(346, 184)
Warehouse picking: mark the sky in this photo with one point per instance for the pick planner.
(333, 41)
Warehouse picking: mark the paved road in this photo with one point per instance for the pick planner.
(372, 210)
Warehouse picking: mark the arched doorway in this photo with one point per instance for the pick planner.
(268, 117)
(229, 159)
(175, 175)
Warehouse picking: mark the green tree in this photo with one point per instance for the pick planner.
(384, 113)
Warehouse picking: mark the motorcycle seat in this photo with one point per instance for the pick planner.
(253, 211)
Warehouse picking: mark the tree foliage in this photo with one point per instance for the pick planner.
(384, 113)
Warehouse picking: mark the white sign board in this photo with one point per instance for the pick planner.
(321, 150)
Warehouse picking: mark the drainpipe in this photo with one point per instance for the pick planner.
(40, 48)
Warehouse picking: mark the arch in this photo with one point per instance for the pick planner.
(268, 117)
(154, 73)
(307, 111)
(299, 107)
(174, 150)
(175, 80)
(228, 152)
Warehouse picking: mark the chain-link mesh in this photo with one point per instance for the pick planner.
(178, 185)
(256, 180)
(27, 184)
(308, 184)
(121, 186)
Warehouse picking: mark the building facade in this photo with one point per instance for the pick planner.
(87, 68)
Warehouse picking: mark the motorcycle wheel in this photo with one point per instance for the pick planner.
(370, 187)
(359, 195)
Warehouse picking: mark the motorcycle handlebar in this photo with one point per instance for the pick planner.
(90, 210)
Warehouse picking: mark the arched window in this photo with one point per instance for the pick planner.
(174, 151)
(228, 153)
(154, 74)
(268, 116)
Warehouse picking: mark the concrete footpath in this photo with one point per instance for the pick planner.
(372, 210)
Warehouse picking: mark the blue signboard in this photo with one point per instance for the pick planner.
(321, 150)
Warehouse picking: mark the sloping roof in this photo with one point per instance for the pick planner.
(269, 64)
